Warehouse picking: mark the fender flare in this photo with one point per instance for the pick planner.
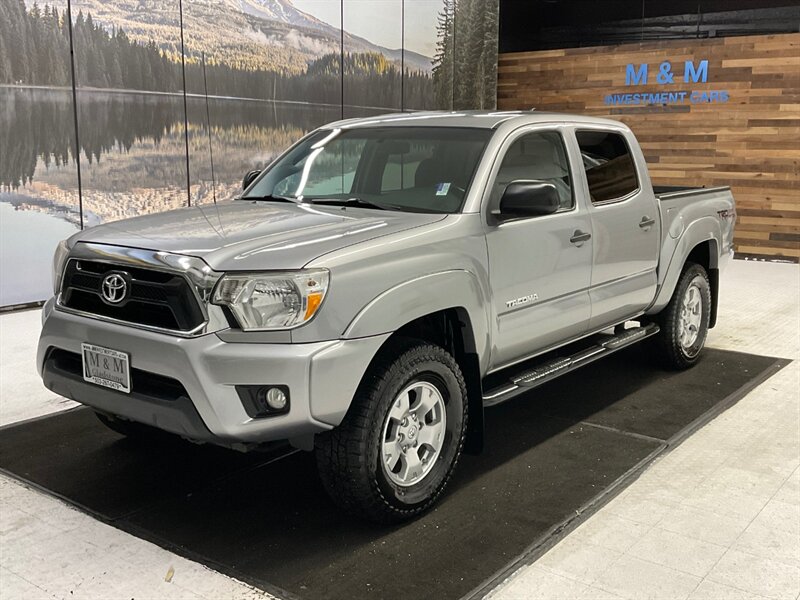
(430, 293)
(705, 229)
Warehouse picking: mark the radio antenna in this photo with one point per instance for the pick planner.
(208, 128)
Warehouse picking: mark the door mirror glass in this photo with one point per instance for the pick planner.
(249, 178)
(529, 199)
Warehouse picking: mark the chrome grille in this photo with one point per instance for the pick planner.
(156, 299)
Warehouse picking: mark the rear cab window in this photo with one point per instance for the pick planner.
(608, 162)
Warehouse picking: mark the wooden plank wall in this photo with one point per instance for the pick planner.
(751, 142)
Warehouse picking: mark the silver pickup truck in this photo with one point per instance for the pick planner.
(378, 285)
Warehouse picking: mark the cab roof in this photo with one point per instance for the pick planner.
(484, 119)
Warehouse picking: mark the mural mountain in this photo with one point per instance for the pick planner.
(250, 34)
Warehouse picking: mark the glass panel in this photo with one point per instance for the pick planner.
(421, 20)
(411, 168)
(130, 108)
(475, 42)
(402, 167)
(39, 203)
(372, 56)
(250, 96)
(443, 71)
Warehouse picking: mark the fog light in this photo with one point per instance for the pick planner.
(276, 399)
(261, 401)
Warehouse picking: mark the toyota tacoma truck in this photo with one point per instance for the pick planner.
(378, 285)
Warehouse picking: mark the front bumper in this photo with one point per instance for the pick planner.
(322, 378)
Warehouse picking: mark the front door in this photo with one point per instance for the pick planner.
(625, 225)
(539, 267)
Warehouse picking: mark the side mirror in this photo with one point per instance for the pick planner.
(249, 178)
(528, 199)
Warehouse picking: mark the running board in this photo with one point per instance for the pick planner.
(528, 379)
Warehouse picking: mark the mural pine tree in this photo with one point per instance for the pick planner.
(443, 59)
(465, 63)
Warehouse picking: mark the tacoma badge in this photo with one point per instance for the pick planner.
(520, 301)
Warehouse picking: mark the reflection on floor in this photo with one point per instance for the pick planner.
(745, 461)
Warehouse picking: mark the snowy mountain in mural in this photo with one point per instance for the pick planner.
(259, 34)
(279, 10)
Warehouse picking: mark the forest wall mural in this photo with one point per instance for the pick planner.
(168, 104)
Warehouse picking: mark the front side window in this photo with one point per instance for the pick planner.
(417, 169)
(539, 156)
(610, 171)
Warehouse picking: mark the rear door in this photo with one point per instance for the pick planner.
(539, 267)
(625, 225)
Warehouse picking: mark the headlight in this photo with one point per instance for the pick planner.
(59, 260)
(272, 300)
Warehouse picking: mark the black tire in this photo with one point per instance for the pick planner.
(669, 344)
(349, 456)
(130, 429)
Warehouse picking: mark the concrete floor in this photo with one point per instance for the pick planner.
(719, 517)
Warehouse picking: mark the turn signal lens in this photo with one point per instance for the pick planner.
(314, 300)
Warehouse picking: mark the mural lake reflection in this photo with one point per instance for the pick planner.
(133, 161)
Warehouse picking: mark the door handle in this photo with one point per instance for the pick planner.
(579, 237)
(646, 222)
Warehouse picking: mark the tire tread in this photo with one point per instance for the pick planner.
(666, 345)
(342, 453)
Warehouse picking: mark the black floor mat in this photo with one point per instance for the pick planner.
(548, 454)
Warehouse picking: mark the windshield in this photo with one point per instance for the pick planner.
(420, 169)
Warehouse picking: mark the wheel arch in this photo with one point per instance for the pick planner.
(706, 254)
(457, 290)
(699, 245)
(452, 329)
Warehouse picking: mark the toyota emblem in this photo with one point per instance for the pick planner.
(114, 288)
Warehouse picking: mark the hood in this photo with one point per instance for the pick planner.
(247, 235)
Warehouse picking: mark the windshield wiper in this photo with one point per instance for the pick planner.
(271, 198)
(359, 202)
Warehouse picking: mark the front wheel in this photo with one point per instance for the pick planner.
(684, 321)
(394, 452)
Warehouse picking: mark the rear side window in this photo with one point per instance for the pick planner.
(609, 166)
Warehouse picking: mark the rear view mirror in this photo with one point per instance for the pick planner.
(529, 199)
(249, 178)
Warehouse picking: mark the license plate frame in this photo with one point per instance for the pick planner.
(106, 367)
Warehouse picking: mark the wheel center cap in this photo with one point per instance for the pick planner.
(412, 432)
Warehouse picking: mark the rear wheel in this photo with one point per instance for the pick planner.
(394, 452)
(684, 321)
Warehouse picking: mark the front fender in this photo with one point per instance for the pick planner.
(702, 230)
(424, 295)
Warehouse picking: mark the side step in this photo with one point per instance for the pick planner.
(529, 378)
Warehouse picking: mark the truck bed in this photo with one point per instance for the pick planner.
(663, 192)
(681, 207)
